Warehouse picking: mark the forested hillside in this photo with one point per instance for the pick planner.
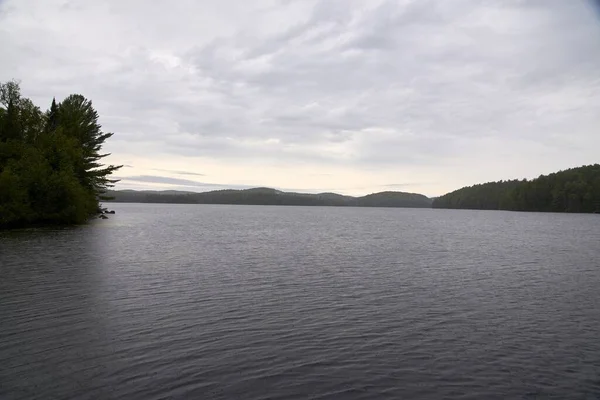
(571, 190)
(50, 162)
(267, 196)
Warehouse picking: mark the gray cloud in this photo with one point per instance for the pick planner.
(140, 182)
(460, 91)
(166, 180)
(178, 172)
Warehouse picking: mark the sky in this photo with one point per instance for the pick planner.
(350, 96)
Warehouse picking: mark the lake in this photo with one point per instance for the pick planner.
(252, 302)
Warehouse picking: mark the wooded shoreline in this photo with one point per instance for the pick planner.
(575, 190)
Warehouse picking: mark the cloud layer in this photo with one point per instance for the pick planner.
(343, 95)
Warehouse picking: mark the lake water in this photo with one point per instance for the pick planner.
(244, 302)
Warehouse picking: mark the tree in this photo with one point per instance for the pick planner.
(9, 125)
(52, 117)
(10, 92)
(31, 121)
(79, 120)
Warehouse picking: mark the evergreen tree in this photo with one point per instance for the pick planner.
(52, 117)
(79, 120)
(9, 126)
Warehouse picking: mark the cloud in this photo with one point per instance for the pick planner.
(166, 180)
(323, 94)
(179, 172)
(142, 182)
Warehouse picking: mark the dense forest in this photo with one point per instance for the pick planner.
(571, 190)
(267, 196)
(50, 162)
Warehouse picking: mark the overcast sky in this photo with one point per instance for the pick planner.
(352, 96)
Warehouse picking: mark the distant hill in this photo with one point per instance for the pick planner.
(268, 196)
(571, 190)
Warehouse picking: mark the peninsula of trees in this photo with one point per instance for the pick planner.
(50, 162)
(574, 190)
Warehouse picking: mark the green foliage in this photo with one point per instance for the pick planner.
(10, 92)
(572, 190)
(49, 162)
(14, 205)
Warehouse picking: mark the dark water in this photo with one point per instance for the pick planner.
(235, 302)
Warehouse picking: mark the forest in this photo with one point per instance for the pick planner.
(50, 162)
(575, 190)
(268, 196)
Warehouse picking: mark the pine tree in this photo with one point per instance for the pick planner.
(52, 117)
(78, 119)
(9, 125)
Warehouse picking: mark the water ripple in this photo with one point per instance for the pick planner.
(222, 302)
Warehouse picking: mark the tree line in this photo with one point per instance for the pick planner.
(572, 190)
(268, 196)
(50, 162)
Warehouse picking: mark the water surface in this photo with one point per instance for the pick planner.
(226, 302)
